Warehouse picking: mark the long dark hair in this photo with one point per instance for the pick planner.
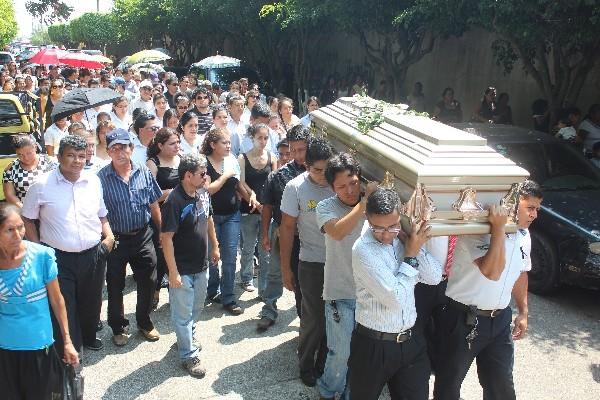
(161, 137)
(185, 118)
(213, 136)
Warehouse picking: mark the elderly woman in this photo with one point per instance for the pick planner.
(29, 364)
(23, 171)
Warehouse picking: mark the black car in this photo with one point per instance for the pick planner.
(566, 235)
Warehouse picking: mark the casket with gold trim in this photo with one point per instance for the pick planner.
(442, 174)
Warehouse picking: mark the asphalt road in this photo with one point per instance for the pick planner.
(559, 359)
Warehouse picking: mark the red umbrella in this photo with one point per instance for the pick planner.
(47, 56)
(80, 60)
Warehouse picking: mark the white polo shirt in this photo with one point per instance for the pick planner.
(469, 286)
(69, 213)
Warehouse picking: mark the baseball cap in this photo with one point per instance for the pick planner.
(117, 136)
(146, 83)
(118, 81)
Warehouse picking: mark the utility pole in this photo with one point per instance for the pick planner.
(97, 5)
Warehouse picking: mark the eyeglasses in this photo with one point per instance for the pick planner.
(153, 128)
(182, 107)
(390, 229)
(202, 98)
(255, 96)
(57, 86)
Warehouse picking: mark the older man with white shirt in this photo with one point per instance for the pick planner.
(69, 205)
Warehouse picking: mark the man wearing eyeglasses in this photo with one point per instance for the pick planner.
(145, 127)
(187, 227)
(201, 99)
(385, 349)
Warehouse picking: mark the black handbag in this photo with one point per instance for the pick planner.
(73, 383)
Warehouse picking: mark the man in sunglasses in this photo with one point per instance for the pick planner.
(387, 264)
(145, 127)
(201, 98)
(187, 227)
(172, 84)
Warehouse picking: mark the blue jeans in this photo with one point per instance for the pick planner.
(251, 234)
(339, 335)
(227, 228)
(272, 274)
(186, 304)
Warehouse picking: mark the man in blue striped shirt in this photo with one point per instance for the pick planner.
(131, 196)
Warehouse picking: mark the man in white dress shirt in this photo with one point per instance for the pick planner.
(476, 322)
(144, 100)
(385, 348)
(69, 205)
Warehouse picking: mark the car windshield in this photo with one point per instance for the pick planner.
(555, 166)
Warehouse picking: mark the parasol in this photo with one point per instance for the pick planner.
(146, 56)
(82, 99)
(217, 61)
(47, 56)
(80, 60)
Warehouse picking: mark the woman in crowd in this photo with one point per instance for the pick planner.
(55, 132)
(23, 171)
(224, 172)
(57, 91)
(8, 85)
(120, 113)
(170, 119)
(275, 125)
(503, 113)
(80, 118)
(312, 104)
(29, 83)
(329, 93)
(416, 99)
(486, 110)
(255, 166)
(252, 97)
(273, 103)
(29, 364)
(101, 131)
(288, 119)
(448, 109)
(160, 106)
(182, 104)
(163, 161)
(188, 130)
(220, 117)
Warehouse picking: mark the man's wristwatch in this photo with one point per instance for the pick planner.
(412, 261)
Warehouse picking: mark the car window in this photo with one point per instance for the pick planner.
(568, 169)
(5, 58)
(526, 155)
(9, 115)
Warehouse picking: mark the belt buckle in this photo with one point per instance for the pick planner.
(408, 332)
(494, 313)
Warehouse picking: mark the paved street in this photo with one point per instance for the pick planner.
(560, 359)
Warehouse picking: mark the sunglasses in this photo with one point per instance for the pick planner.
(255, 97)
(202, 174)
(153, 128)
(57, 86)
(202, 98)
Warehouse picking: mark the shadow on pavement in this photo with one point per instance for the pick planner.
(145, 378)
(235, 333)
(568, 319)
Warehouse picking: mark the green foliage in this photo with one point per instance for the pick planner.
(60, 34)
(40, 37)
(93, 29)
(49, 11)
(8, 24)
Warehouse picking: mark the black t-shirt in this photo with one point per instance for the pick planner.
(276, 181)
(188, 217)
(225, 201)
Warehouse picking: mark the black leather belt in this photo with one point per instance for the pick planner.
(131, 233)
(481, 313)
(392, 337)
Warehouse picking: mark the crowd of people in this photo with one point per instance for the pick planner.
(175, 179)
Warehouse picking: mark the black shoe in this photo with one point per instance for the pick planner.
(233, 308)
(95, 345)
(308, 378)
(213, 299)
(264, 324)
(99, 326)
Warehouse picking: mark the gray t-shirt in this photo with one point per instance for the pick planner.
(300, 199)
(339, 279)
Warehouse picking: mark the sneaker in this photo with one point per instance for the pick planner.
(121, 339)
(248, 287)
(151, 336)
(264, 324)
(95, 345)
(193, 367)
(233, 308)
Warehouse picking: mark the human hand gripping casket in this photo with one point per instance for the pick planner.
(442, 174)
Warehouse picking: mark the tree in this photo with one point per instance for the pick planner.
(93, 29)
(8, 23)
(49, 11)
(557, 41)
(60, 34)
(40, 37)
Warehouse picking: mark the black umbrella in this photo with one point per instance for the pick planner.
(82, 99)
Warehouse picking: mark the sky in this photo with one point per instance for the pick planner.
(24, 20)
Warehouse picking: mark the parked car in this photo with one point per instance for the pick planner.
(6, 57)
(566, 235)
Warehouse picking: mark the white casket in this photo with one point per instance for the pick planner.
(442, 174)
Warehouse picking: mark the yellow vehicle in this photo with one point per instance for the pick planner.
(18, 115)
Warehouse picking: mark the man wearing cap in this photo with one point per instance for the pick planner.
(131, 196)
(144, 100)
(67, 203)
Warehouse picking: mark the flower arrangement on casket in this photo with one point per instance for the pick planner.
(443, 175)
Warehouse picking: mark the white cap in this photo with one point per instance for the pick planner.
(146, 83)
